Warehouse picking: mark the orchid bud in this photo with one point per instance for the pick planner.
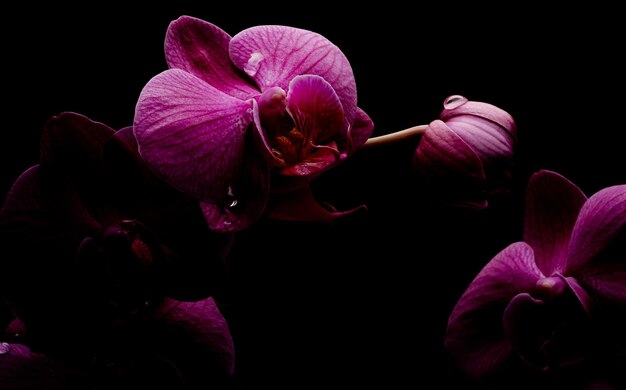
(466, 156)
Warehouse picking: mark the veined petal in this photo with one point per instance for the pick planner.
(552, 206)
(597, 251)
(316, 110)
(453, 166)
(476, 336)
(274, 55)
(489, 140)
(201, 48)
(192, 134)
(458, 105)
(601, 220)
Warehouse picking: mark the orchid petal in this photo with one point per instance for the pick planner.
(443, 157)
(274, 55)
(489, 140)
(195, 330)
(192, 134)
(315, 109)
(73, 141)
(602, 220)
(21, 368)
(201, 48)
(460, 106)
(360, 131)
(245, 199)
(476, 335)
(552, 206)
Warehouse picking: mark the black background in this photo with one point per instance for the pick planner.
(364, 302)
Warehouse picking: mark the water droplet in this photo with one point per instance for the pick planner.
(230, 201)
(454, 101)
(5, 348)
(253, 63)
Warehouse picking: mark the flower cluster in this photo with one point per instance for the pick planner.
(119, 238)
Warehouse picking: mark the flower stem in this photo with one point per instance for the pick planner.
(395, 137)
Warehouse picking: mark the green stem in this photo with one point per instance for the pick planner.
(395, 137)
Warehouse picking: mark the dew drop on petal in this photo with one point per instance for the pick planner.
(230, 201)
(5, 348)
(253, 64)
(454, 101)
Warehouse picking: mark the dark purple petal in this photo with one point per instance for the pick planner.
(274, 55)
(475, 336)
(201, 49)
(300, 205)
(193, 332)
(73, 141)
(360, 131)
(193, 135)
(548, 333)
(444, 158)
(20, 368)
(552, 206)
(602, 221)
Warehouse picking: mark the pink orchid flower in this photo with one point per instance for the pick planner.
(229, 110)
(537, 299)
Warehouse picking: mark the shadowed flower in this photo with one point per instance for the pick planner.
(92, 238)
(231, 109)
(466, 157)
(542, 299)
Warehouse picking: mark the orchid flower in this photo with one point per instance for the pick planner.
(539, 299)
(272, 101)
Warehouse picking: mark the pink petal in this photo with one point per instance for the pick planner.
(195, 137)
(316, 109)
(489, 140)
(598, 245)
(444, 158)
(601, 221)
(201, 49)
(458, 105)
(301, 206)
(274, 55)
(196, 327)
(360, 131)
(552, 206)
(442, 151)
(475, 335)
